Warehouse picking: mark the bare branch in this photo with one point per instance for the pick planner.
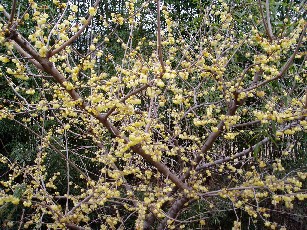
(12, 13)
(21, 219)
(55, 25)
(263, 20)
(173, 211)
(73, 227)
(159, 40)
(245, 124)
(268, 18)
(243, 153)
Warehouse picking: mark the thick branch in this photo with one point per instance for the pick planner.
(74, 227)
(50, 69)
(27, 56)
(173, 211)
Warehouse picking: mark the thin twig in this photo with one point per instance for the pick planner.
(53, 148)
(75, 36)
(21, 219)
(286, 66)
(12, 13)
(68, 171)
(143, 87)
(268, 18)
(244, 152)
(55, 25)
(159, 42)
(245, 124)
(263, 19)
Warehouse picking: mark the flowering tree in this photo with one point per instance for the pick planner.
(165, 131)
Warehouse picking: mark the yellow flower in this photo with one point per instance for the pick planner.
(74, 29)
(120, 20)
(83, 20)
(9, 71)
(30, 91)
(27, 16)
(278, 133)
(260, 93)
(202, 222)
(92, 11)
(160, 83)
(92, 47)
(214, 129)
(43, 51)
(230, 136)
(74, 8)
(68, 85)
(15, 200)
(262, 164)
(4, 59)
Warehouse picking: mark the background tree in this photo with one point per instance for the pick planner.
(131, 119)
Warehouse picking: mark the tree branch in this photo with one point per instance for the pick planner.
(54, 149)
(50, 69)
(245, 124)
(263, 20)
(268, 18)
(27, 56)
(128, 96)
(285, 67)
(159, 42)
(75, 36)
(211, 139)
(173, 211)
(74, 227)
(12, 13)
(244, 152)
